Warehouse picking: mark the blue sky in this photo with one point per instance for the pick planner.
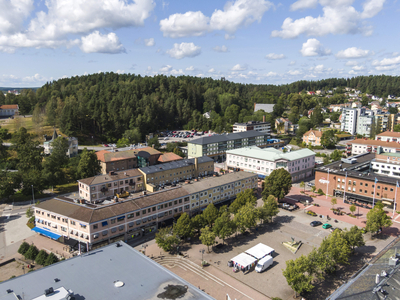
(249, 41)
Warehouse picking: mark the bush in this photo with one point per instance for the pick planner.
(311, 213)
(23, 248)
(41, 257)
(32, 252)
(320, 192)
(51, 259)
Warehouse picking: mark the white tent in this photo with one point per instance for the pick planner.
(260, 250)
(243, 260)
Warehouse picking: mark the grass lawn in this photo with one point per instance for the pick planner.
(66, 188)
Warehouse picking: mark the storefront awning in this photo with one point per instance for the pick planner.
(47, 233)
(261, 176)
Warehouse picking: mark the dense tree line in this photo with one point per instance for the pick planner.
(107, 105)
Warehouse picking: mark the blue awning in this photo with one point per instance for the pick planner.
(47, 233)
(261, 176)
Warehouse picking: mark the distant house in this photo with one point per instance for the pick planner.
(284, 126)
(9, 110)
(268, 108)
(312, 137)
(207, 115)
(72, 144)
(320, 92)
(311, 93)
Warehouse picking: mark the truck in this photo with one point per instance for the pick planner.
(264, 263)
(123, 195)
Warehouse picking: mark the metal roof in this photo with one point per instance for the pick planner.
(94, 276)
(271, 154)
(174, 165)
(269, 108)
(227, 137)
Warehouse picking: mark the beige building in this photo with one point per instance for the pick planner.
(312, 137)
(174, 172)
(96, 225)
(100, 187)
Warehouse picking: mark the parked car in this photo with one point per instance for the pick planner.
(310, 184)
(326, 226)
(166, 138)
(332, 229)
(288, 206)
(315, 223)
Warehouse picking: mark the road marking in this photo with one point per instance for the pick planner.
(397, 217)
(308, 206)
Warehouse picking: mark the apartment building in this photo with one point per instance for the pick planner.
(105, 186)
(359, 146)
(64, 219)
(129, 159)
(253, 125)
(388, 136)
(300, 164)
(364, 125)
(349, 120)
(9, 110)
(386, 164)
(216, 146)
(312, 137)
(171, 173)
(385, 122)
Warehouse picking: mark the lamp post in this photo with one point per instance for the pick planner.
(33, 195)
(202, 252)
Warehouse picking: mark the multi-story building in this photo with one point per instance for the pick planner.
(359, 146)
(105, 186)
(268, 108)
(385, 122)
(9, 110)
(349, 120)
(171, 173)
(253, 125)
(388, 136)
(387, 164)
(72, 144)
(364, 125)
(215, 146)
(312, 137)
(300, 164)
(65, 219)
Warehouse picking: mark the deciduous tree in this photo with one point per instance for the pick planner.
(271, 207)
(242, 198)
(210, 214)
(377, 218)
(246, 217)
(207, 237)
(296, 275)
(354, 237)
(224, 226)
(166, 239)
(88, 165)
(183, 227)
(278, 184)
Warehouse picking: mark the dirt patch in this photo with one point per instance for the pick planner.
(14, 269)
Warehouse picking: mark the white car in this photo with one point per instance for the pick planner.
(166, 139)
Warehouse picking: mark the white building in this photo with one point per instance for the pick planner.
(299, 164)
(388, 136)
(72, 144)
(387, 164)
(349, 120)
(252, 125)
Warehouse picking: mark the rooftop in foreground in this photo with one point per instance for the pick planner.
(112, 272)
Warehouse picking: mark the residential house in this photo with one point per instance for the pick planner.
(284, 126)
(72, 144)
(9, 110)
(312, 137)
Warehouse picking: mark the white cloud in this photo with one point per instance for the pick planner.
(358, 68)
(313, 47)
(352, 72)
(59, 23)
(166, 68)
(184, 50)
(96, 42)
(353, 52)
(120, 72)
(223, 48)
(149, 42)
(37, 79)
(387, 63)
(320, 69)
(229, 36)
(239, 67)
(351, 63)
(274, 56)
(292, 63)
(303, 4)
(339, 17)
(212, 70)
(271, 74)
(294, 72)
(191, 68)
(177, 72)
(235, 15)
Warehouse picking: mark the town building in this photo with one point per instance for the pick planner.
(155, 177)
(359, 146)
(125, 219)
(253, 125)
(117, 271)
(284, 126)
(349, 120)
(388, 136)
(364, 125)
(312, 137)
(353, 180)
(72, 144)
(300, 164)
(215, 146)
(9, 110)
(123, 160)
(105, 186)
(268, 108)
(387, 164)
(385, 122)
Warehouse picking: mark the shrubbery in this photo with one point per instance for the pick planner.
(23, 248)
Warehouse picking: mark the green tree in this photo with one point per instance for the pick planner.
(183, 227)
(154, 142)
(364, 101)
(8, 183)
(210, 214)
(278, 184)
(29, 212)
(41, 257)
(51, 259)
(393, 110)
(23, 248)
(303, 185)
(352, 208)
(377, 218)
(224, 226)
(335, 249)
(396, 128)
(333, 202)
(122, 142)
(354, 237)
(246, 217)
(329, 139)
(207, 237)
(271, 207)
(133, 135)
(297, 277)
(53, 165)
(326, 160)
(317, 116)
(242, 198)
(88, 165)
(336, 155)
(166, 239)
(313, 188)
(198, 222)
(32, 252)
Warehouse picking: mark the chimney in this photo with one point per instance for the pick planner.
(264, 118)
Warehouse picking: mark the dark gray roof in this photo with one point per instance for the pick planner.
(174, 165)
(227, 137)
(93, 276)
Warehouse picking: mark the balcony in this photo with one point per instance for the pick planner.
(132, 183)
(104, 189)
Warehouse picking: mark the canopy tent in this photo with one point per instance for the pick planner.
(243, 260)
(260, 250)
(46, 232)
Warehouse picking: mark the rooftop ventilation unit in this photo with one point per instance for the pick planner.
(48, 291)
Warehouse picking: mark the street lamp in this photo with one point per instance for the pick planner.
(202, 252)
(33, 196)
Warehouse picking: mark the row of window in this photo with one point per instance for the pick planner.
(366, 184)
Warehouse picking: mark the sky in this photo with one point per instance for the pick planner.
(246, 41)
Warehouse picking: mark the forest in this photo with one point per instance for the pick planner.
(106, 105)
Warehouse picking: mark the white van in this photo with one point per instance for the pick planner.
(264, 263)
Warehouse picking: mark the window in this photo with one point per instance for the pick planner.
(153, 208)
(361, 183)
(112, 221)
(137, 214)
(130, 216)
(95, 226)
(72, 222)
(143, 212)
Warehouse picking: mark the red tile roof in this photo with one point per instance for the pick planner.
(168, 157)
(390, 133)
(374, 143)
(11, 106)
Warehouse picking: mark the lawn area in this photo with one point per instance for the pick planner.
(66, 188)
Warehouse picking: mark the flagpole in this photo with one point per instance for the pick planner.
(345, 186)
(395, 198)
(373, 198)
(327, 186)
